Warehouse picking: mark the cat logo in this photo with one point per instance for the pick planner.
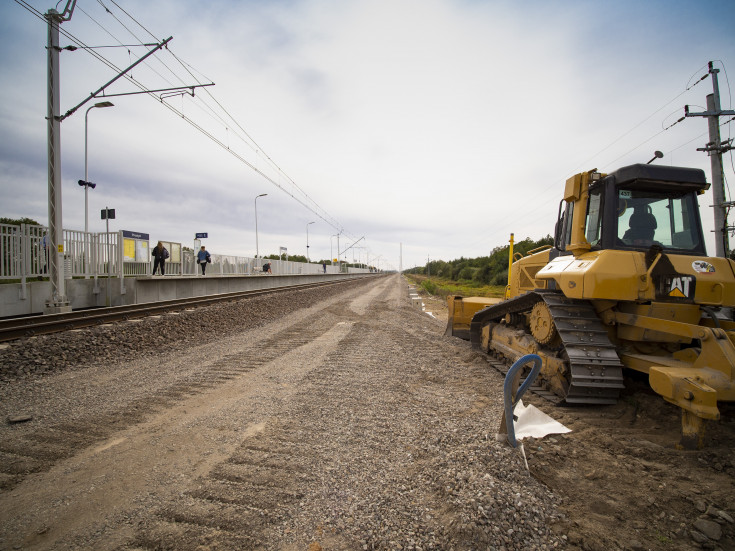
(681, 287)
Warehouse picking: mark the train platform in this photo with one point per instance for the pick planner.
(27, 299)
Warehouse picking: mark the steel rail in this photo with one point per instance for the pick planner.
(29, 326)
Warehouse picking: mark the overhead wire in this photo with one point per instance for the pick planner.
(132, 18)
(729, 134)
(322, 215)
(253, 145)
(267, 157)
(212, 113)
(306, 201)
(556, 183)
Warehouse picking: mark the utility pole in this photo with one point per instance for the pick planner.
(715, 148)
(58, 301)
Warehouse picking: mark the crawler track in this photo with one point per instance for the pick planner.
(17, 328)
(595, 369)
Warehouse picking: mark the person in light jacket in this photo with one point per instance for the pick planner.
(203, 258)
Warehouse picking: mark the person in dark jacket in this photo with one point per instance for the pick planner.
(160, 254)
(203, 258)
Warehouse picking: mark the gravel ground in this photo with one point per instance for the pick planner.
(318, 419)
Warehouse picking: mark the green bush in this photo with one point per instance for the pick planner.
(500, 278)
(467, 273)
(429, 286)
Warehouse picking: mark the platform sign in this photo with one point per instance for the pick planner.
(201, 236)
(136, 235)
(135, 246)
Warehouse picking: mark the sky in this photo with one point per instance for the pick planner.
(410, 129)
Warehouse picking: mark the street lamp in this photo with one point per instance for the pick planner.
(307, 241)
(339, 262)
(331, 251)
(256, 223)
(87, 184)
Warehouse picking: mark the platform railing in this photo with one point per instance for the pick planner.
(24, 253)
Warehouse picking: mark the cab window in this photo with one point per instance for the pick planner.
(646, 218)
(593, 232)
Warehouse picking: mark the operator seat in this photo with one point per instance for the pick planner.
(642, 228)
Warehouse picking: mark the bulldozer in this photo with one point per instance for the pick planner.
(627, 284)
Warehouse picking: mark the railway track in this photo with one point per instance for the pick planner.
(29, 326)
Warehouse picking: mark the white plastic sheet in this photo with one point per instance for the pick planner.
(532, 422)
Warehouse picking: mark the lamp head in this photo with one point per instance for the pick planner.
(104, 104)
(656, 155)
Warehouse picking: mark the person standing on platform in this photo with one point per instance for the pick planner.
(160, 254)
(46, 249)
(203, 258)
(324, 267)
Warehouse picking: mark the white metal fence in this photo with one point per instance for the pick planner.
(24, 253)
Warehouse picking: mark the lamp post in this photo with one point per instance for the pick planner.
(330, 248)
(256, 223)
(87, 184)
(308, 260)
(339, 260)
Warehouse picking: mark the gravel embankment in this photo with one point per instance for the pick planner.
(151, 336)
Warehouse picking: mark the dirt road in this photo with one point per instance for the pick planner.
(340, 420)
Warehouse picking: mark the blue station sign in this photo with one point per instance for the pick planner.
(135, 235)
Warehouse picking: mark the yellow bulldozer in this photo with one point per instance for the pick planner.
(626, 284)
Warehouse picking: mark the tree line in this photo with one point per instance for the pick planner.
(484, 270)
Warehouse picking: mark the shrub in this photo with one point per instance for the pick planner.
(429, 286)
(500, 278)
(467, 273)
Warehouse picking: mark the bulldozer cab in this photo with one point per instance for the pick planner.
(633, 208)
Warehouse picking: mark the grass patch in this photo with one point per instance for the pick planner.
(443, 287)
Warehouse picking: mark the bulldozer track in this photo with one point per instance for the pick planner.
(596, 373)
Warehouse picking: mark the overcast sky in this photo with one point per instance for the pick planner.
(439, 125)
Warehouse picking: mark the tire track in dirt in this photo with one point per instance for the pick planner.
(251, 494)
(38, 451)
